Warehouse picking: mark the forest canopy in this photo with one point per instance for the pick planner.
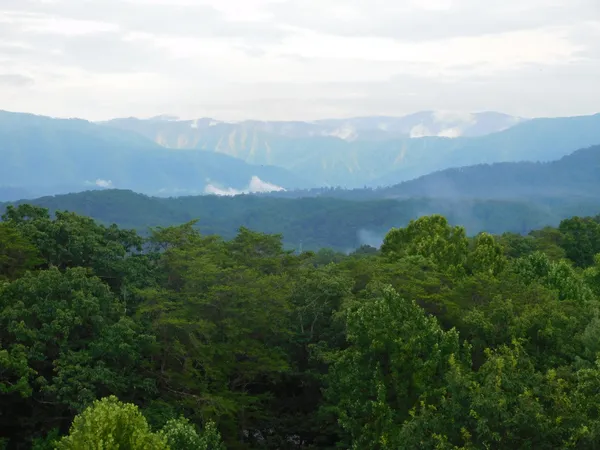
(181, 340)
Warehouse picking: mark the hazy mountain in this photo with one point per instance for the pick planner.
(332, 161)
(576, 176)
(170, 132)
(538, 140)
(426, 123)
(41, 155)
(47, 156)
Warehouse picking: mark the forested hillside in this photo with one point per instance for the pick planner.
(182, 340)
(313, 223)
(575, 176)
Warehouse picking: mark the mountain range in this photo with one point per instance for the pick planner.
(326, 159)
(574, 176)
(171, 132)
(43, 156)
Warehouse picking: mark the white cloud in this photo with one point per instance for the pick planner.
(442, 116)
(256, 185)
(108, 184)
(451, 132)
(104, 183)
(298, 59)
(419, 131)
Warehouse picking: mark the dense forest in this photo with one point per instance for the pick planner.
(314, 223)
(183, 340)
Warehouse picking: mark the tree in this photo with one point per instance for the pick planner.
(431, 237)
(580, 239)
(180, 434)
(17, 253)
(592, 276)
(70, 240)
(65, 342)
(396, 357)
(487, 255)
(220, 314)
(506, 404)
(110, 424)
(560, 276)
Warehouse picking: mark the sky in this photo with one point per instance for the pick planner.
(298, 59)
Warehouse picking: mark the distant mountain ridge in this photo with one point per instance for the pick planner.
(575, 176)
(332, 161)
(42, 155)
(171, 132)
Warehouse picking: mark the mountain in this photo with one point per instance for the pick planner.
(537, 140)
(422, 124)
(575, 176)
(42, 155)
(330, 160)
(313, 222)
(170, 132)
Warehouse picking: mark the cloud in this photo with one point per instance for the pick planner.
(16, 80)
(107, 184)
(370, 238)
(426, 20)
(256, 185)
(299, 59)
(443, 116)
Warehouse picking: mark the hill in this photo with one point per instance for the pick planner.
(312, 222)
(333, 159)
(574, 176)
(42, 155)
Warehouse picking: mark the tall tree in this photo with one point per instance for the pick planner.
(431, 237)
(397, 356)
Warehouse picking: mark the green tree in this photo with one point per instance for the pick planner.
(580, 239)
(109, 424)
(65, 342)
(180, 434)
(220, 314)
(506, 404)
(431, 237)
(487, 255)
(592, 276)
(70, 240)
(17, 253)
(396, 357)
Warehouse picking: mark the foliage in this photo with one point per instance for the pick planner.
(431, 237)
(342, 224)
(580, 239)
(180, 434)
(17, 253)
(111, 424)
(437, 341)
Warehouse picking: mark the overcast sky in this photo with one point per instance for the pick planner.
(298, 59)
